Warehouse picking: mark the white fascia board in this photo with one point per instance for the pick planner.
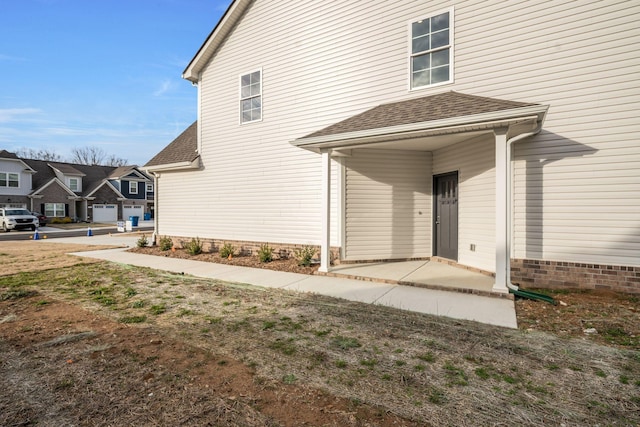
(215, 39)
(26, 166)
(444, 126)
(195, 164)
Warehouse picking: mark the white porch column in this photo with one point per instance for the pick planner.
(503, 200)
(325, 240)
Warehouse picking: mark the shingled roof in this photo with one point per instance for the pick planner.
(430, 108)
(181, 149)
(93, 175)
(4, 154)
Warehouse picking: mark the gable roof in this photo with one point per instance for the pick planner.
(222, 29)
(181, 152)
(56, 181)
(92, 175)
(429, 108)
(443, 113)
(4, 154)
(128, 171)
(104, 183)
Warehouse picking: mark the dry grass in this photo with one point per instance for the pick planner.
(430, 370)
(230, 354)
(23, 256)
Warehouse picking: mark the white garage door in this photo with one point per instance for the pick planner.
(132, 210)
(105, 213)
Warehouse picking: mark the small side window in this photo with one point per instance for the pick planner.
(432, 50)
(251, 97)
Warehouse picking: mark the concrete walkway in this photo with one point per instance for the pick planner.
(490, 310)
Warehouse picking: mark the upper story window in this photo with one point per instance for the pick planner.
(432, 50)
(8, 179)
(251, 97)
(74, 184)
(133, 187)
(149, 188)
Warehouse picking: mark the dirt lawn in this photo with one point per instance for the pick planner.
(93, 343)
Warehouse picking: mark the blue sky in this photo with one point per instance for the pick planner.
(106, 73)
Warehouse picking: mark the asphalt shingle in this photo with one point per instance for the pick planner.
(430, 108)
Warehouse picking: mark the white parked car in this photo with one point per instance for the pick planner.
(17, 219)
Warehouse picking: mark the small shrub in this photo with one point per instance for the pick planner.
(61, 220)
(304, 255)
(194, 247)
(265, 253)
(227, 250)
(165, 243)
(142, 241)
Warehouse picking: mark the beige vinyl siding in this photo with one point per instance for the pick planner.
(24, 179)
(387, 205)
(474, 160)
(258, 186)
(576, 185)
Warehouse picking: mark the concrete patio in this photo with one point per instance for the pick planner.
(428, 274)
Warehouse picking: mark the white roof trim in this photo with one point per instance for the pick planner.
(71, 193)
(28, 168)
(226, 24)
(195, 164)
(107, 183)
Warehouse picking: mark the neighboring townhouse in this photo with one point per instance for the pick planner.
(15, 181)
(502, 136)
(82, 192)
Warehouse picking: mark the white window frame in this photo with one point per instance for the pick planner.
(57, 207)
(133, 187)
(149, 187)
(450, 46)
(78, 184)
(8, 180)
(241, 98)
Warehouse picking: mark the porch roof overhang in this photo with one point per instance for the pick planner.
(396, 130)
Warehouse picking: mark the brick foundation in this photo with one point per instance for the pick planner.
(569, 275)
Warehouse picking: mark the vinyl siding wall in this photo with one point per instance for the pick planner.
(24, 179)
(387, 205)
(474, 160)
(576, 185)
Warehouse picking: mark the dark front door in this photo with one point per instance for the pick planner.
(446, 216)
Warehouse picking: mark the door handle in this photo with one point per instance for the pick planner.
(438, 220)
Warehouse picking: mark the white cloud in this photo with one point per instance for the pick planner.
(8, 115)
(164, 88)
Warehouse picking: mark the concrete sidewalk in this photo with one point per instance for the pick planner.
(490, 310)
